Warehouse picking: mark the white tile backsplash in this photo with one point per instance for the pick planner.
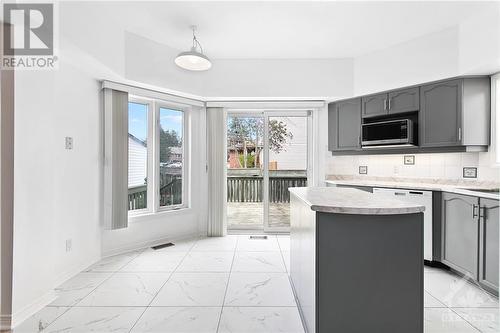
(446, 166)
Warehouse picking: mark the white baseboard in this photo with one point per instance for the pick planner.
(141, 245)
(32, 308)
(5, 322)
(19, 316)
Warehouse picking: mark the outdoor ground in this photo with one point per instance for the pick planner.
(250, 215)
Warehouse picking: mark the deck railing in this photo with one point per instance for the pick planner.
(137, 197)
(170, 190)
(243, 186)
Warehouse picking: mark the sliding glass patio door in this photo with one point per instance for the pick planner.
(267, 152)
(287, 165)
(245, 171)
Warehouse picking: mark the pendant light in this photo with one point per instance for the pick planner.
(194, 59)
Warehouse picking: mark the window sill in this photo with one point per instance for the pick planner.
(147, 216)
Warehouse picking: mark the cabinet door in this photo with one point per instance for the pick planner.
(332, 127)
(440, 114)
(406, 100)
(460, 233)
(488, 244)
(347, 125)
(374, 105)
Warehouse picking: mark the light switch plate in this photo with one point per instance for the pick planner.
(409, 159)
(363, 170)
(68, 142)
(470, 172)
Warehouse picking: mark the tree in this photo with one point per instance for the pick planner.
(168, 139)
(278, 135)
(241, 131)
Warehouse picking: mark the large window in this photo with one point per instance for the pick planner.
(171, 157)
(156, 156)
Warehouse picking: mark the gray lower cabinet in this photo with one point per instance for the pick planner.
(440, 114)
(344, 125)
(488, 244)
(374, 105)
(470, 233)
(405, 100)
(460, 233)
(357, 273)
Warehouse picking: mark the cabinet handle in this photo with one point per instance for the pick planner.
(482, 213)
(385, 104)
(474, 213)
(460, 134)
(389, 103)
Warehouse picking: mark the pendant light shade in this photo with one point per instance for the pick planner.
(193, 60)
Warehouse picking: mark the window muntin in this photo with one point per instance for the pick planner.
(171, 157)
(137, 155)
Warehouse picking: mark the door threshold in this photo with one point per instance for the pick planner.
(255, 232)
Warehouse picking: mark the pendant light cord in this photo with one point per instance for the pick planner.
(195, 40)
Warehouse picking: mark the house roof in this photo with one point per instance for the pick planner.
(139, 141)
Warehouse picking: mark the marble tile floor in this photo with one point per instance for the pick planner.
(229, 284)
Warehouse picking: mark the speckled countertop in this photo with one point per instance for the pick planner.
(458, 186)
(352, 201)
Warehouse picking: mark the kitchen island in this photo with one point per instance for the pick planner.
(356, 261)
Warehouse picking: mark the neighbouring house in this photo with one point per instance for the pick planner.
(175, 155)
(137, 162)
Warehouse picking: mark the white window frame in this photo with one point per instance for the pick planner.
(186, 110)
(150, 158)
(153, 160)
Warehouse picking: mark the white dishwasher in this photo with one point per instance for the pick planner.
(423, 198)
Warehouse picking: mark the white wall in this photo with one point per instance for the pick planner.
(151, 62)
(473, 47)
(423, 59)
(57, 191)
(285, 78)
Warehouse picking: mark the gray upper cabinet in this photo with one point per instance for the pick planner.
(404, 100)
(455, 113)
(440, 114)
(374, 105)
(460, 232)
(344, 121)
(488, 244)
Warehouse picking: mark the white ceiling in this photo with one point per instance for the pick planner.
(281, 29)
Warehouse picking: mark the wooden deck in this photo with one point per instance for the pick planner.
(250, 215)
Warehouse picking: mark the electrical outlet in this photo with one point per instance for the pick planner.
(363, 170)
(69, 245)
(68, 142)
(469, 172)
(409, 159)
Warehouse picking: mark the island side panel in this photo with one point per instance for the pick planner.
(303, 259)
(370, 273)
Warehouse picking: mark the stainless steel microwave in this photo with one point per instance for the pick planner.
(387, 133)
